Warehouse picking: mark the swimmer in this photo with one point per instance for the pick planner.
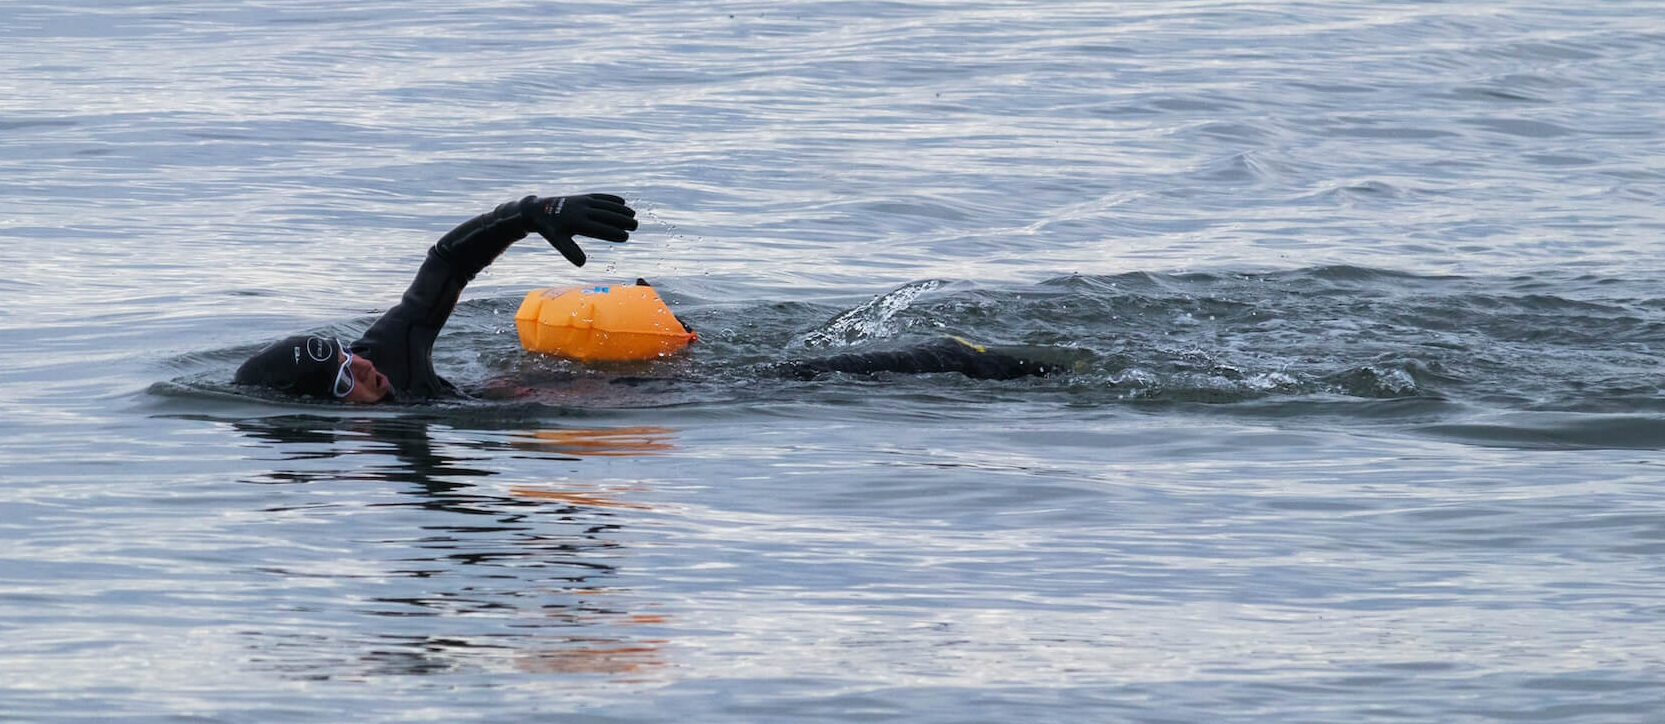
(393, 360)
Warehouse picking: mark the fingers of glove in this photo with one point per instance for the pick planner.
(611, 219)
(568, 248)
(604, 232)
(611, 207)
(606, 197)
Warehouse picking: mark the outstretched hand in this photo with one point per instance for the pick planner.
(602, 216)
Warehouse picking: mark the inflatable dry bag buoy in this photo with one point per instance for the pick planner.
(608, 323)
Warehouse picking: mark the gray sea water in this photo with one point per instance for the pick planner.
(1371, 430)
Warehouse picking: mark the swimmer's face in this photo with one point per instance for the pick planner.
(369, 385)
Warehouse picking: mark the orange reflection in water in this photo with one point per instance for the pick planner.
(615, 652)
(599, 499)
(593, 659)
(617, 655)
(600, 442)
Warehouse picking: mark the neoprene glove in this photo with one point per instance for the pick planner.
(602, 216)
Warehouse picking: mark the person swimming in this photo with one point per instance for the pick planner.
(393, 360)
(394, 357)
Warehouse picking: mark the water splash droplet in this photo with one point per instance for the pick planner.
(872, 320)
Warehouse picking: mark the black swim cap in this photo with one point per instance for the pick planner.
(299, 365)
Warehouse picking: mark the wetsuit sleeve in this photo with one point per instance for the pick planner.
(476, 243)
(945, 355)
(401, 342)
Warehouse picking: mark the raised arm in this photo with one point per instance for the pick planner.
(401, 342)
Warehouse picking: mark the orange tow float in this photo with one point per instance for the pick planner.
(601, 323)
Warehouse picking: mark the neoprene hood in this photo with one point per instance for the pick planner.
(299, 365)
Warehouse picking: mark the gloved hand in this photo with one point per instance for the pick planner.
(603, 216)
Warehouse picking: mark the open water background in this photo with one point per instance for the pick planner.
(1372, 429)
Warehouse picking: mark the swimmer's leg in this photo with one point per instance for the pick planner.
(949, 354)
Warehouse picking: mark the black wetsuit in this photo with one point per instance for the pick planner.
(401, 343)
(949, 354)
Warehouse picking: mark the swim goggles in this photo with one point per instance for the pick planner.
(344, 377)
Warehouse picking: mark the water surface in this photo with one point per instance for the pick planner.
(1366, 428)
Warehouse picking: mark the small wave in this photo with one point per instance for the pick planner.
(1218, 387)
(1523, 127)
(868, 322)
(1558, 431)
